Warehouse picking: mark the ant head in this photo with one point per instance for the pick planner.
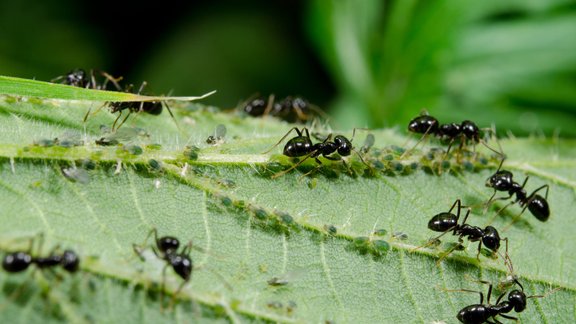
(344, 145)
(491, 238)
(182, 265)
(76, 78)
(501, 180)
(168, 244)
(16, 262)
(423, 124)
(470, 130)
(518, 299)
(70, 261)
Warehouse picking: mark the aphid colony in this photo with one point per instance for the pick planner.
(466, 133)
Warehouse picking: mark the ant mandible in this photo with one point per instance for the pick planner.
(20, 261)
(302, 146)
(536, 204)
(166, 248)
(447, 221)
(465, 131)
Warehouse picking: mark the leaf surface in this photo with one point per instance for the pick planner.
(254, 229)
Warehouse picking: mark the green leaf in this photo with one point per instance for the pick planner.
(291, 249)
(34, 88)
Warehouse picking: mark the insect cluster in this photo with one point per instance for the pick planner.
(467, 133)
(307, 145)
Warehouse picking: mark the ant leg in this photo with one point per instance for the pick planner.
(457, 202)
(123, 121)
(163, 287)
(465, 218)
(89, 109)
(116, 120)
(269, 105)
(431, 241)
(187, 248)
(424, 136)
(299, 132)
(142, 86)
(173, 300)
(112, 79)
(479, 249)
(447, 253)
(508, 317)
(468, 290)
(540, 188)
(172, 115)
(138, 249)
(306, 157)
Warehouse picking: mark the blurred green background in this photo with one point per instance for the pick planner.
(369, 63)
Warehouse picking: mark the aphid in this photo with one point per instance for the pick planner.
(368, 143)
(302, 146)
(482, 313)
(166, 248)
(76, 174)
(536, 204)
(447, 221)
(400, 236)
(218, 137)
(466, 131)
(20, 261)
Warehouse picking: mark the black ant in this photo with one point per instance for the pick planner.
(290, 109)
(302, 146)
(151, 107)
(481, 313)
(166, 248)
(536, 204)
(20, 261)
(465, 131)
(447, 221)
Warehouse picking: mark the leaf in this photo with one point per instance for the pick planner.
(255, 229)
(25, 87)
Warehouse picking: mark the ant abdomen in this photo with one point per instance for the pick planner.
(298, 146)
(16, 262)
(424, 124)
(491, 238)
(443, 222)
(538, 206)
